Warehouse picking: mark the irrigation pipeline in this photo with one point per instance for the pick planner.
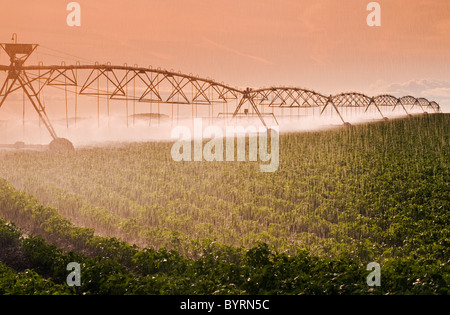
(158, 86)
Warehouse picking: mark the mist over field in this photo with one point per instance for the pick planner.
(87, 131)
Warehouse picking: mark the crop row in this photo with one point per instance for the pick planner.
(371, 191)
(30, 265)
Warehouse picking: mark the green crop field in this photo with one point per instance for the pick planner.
(139, 222)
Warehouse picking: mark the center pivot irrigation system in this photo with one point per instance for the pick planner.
(133, 84)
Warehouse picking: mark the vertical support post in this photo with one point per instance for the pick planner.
(372, 101)
(107, 97)
(134, 97)
(25, 85)
(76, 93)
(65, 95)
(330, 101)
(98, 99)
(404, 108)
(126, 91)
(417, 102)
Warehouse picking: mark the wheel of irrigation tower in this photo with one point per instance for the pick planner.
(61, 145)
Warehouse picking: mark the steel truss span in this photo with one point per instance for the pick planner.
(169, 88)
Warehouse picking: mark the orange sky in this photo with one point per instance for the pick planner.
(325, 45)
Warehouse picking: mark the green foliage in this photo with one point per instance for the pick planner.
(9, 234)
(27, 283)
(221, 269)
(341, 199)
(377, 187)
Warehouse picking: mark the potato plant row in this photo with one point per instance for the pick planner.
(371, 192)
(31, 265)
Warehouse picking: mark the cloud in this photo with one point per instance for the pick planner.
(438, 92)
